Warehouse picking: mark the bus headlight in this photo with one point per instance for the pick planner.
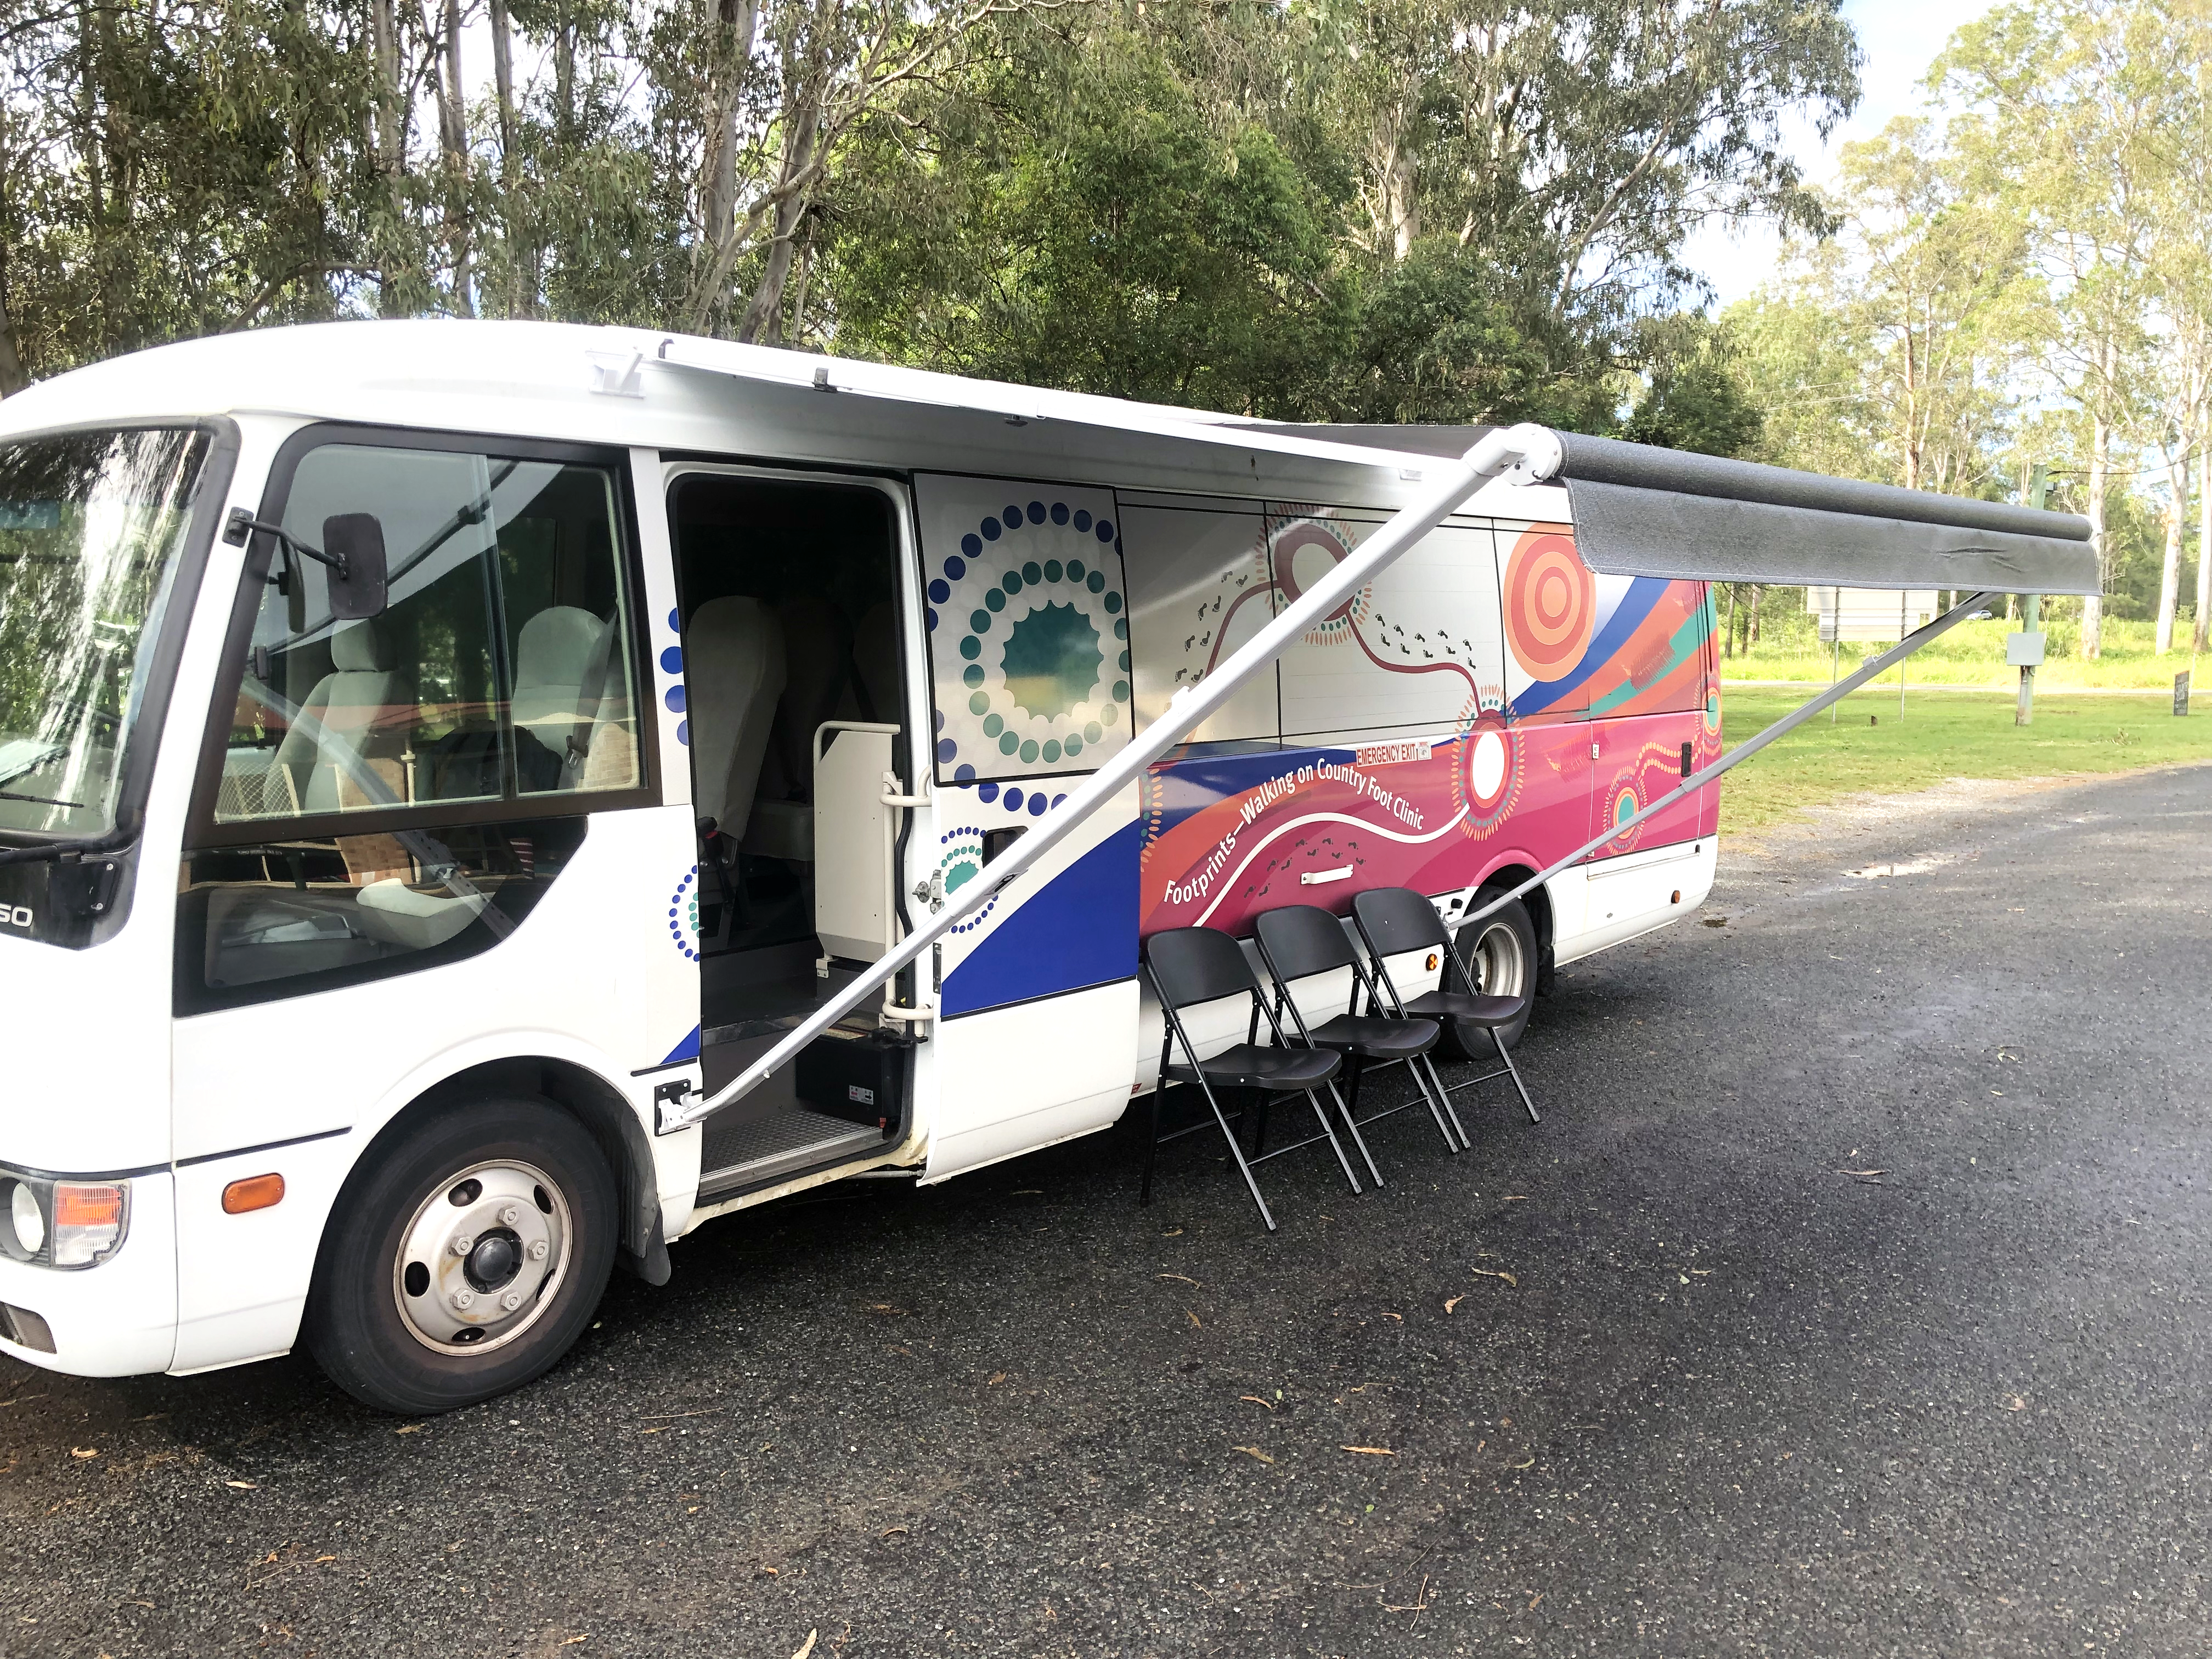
(62, 1224)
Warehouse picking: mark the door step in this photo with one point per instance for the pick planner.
(762, 1149)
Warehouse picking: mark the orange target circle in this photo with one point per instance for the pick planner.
(1551, 603)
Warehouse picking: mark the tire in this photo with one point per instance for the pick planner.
(401, 1320)
(1503, 953)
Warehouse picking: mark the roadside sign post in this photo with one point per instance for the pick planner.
(2024, 649)
(2018, 646)
(2181, 692)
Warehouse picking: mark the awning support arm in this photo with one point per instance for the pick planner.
(1528, 452)
(1743, 751)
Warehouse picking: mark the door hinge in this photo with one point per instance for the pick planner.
(83, 888)
(931, 892)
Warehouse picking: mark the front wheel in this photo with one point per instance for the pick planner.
(1502, 953)
(466, 1261)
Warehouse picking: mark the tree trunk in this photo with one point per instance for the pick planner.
(2092, 605)
(1751, 634)
(1727, 627)
(13, 379)
(391, 142)
(453, 142)
(2176, 519)
(502, 78)
(2203, 532)
(739, 20)
(764, 319)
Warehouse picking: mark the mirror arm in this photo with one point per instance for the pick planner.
(242, 523)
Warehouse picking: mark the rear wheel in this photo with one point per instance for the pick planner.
(467, 1261)
(1502, 952)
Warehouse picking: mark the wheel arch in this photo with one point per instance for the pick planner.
(1538, 903)
(594, 1102)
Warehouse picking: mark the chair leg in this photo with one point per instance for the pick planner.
(1351, 1128)
(1424, 1072)
(1259, 1110)
(1237, 1153)
(1335, 1145)
(1152, 1147)
(1514, 1071)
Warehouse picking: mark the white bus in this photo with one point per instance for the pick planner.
(456, 778)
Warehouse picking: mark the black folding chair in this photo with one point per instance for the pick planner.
(1298, 941)
(1397, 921)
(1187, 966)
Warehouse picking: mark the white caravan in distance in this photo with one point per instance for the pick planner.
(479, 800)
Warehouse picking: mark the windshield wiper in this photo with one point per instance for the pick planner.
(42, 800)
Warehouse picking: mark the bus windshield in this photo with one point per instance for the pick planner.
(90, 523)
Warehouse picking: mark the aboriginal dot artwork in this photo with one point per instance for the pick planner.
(1028, 631)
(1550, 603)
(684, 914)
(1486, 781)
(672, 664)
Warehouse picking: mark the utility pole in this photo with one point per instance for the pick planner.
(2025, 647)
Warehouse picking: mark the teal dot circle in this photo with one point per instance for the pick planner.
(993, 725)
(1092, 732)
(1074, 745)
(1011, 582)
(1050, 752)
(1032, 572)
(1113, 604)
(1125, 662)
(1052, 570)
(971, 648)
(1120, 690)
(972, 675)
(1008, 742)
(1075, 570)
(1097, 584)
(1030, 752)
(996, 598)
(1120, 628)
(1109, 713)
(980, 620)
(978, 703)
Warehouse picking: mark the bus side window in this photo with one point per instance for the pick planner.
(383, 783)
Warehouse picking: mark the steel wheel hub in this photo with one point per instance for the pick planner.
(481, 1258)
(1501, 968)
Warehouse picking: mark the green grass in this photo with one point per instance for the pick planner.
(1942, 735)
(1972, 654)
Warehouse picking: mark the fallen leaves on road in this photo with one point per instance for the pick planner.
(1861, 1175)
(1253, 1451)
(2012, 1403)
(408, 1428)
(84, 1451)
(1451, 1301)
(1256, 1401)
(1501, 1273)
(1185, 1278)
(242, 1485)
(996, 1377)
(1194, 1319)
(1515, 1198)
(807, 1646)
(1369, 1451)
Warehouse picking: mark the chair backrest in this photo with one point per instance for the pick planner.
(1191, 965)
(1302, 939)
(1396, 920)
(733, 670)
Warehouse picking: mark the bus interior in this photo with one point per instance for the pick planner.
(793, 672)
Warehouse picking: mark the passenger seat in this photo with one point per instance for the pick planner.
(560, 670)
(733, 675)
(362, 712)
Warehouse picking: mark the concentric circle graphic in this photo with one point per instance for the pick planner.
(1550, 603)
(1487, 779)
(1038, 652)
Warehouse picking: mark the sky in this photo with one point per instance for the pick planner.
(1900, 39)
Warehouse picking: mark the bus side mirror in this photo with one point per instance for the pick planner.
(354, 543)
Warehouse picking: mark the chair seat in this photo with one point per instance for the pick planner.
(1488, 1013)
(1254, 1066)
(1372, 1037)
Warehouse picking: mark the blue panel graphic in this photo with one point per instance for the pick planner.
(1635, 606)
(687, 1049)
(1080, 930)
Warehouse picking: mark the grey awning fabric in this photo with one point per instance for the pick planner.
(1644, 512)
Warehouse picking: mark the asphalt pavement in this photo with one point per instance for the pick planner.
(1847, 1300)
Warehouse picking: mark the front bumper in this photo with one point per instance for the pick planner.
(119, 1318)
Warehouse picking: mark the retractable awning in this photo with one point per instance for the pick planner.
(1644, 512)
(1649, 513)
